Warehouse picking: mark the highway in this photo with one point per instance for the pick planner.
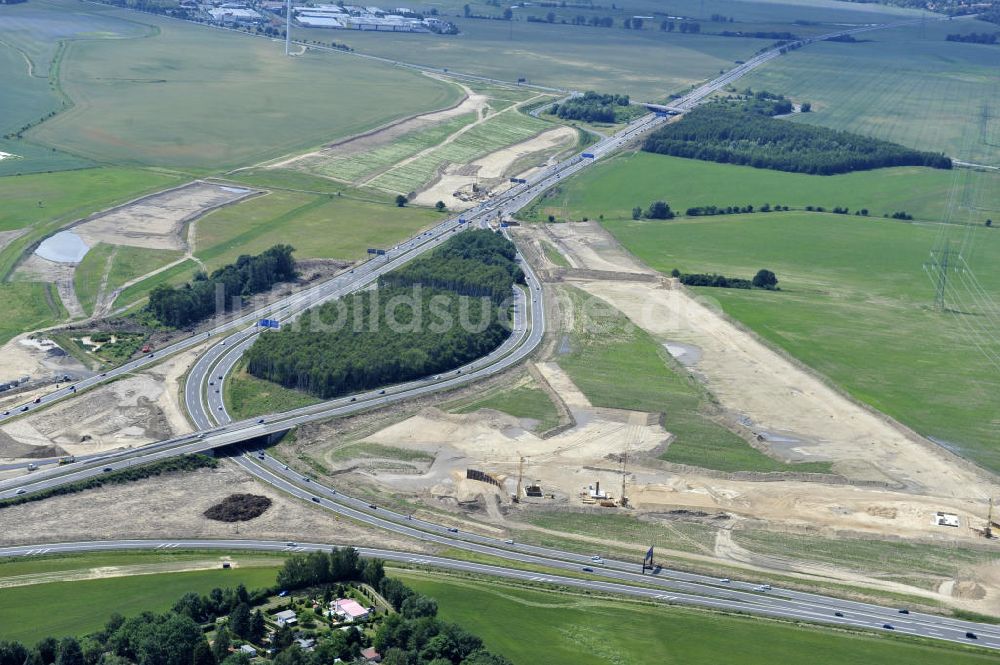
(208, 412)
(770, 603)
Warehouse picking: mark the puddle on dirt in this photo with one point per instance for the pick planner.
(685, 354)
(63, 247)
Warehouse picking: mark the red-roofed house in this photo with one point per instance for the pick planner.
(349, 609)
(371, 655)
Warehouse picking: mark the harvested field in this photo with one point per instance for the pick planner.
(165, 507)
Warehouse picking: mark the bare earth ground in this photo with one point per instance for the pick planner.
(38, 359)
(35, 268)
(131, 412)
(166, 507)
(913, 478)
(155, 221)
(493, 166)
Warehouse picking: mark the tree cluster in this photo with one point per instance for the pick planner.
(475, 263)
(196, 300)
(733, 136)
(592, 107)
(975, 38)
(764, 279)
(655, 210)
(404, 641)
(338, 565)
(709, 211)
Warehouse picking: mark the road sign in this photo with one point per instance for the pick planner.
(269, 323)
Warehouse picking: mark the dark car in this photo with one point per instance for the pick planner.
(838, 614)
(315, 499)
(354, 399)
(107, 469)
(904, 611)
(305, 479)
(453, 530)
(971, 635)
(23, 409)
(381, 392)
(888, 626)
(588, 569)
(260, 422)
(373, 506)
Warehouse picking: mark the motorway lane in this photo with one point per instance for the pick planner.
(742, 596)
(670, 597)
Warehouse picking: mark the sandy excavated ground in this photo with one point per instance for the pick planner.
(492, 166)
(7, 237)
(155, 221)
(35, 358)
(472, 103)
(131, 412)
(753, 381)
(166, 507)
(35, 268)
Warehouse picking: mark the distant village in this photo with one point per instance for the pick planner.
(330, 16)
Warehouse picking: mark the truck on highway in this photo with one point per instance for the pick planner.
(588, 155)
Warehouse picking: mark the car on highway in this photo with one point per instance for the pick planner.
(107, 469)
(971, 635)
(373, 506)
(38, 400)
(903, 610)
(838, 614)
(354, 399)
(315, 499)
(260, 421)
(381, 392)
(888, 626)
(452, 530)
(587, 569)
(509, 541)
(23, 409)
(20, 490)
(211, 383)
(305, 479)
(725, 580)
(597, 559)
(6, 413)
(290, 543)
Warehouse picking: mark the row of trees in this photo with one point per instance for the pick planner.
(764, 279)
(975, 38)
(223, 289)
(734, 136)
(427, 317)
(592, 107)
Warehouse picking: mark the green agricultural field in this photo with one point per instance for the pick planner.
(318, 226)
(26, 612)
(523, 401)
(178, 274)
(569, 629)
(607, 348)
(247, 396)
(645, 64)
(45, 202)
(856, 305)
(906, 85)
(350, 168)
(614, 187)
(499, 131)
(119, 264)
(28, 306)
(177, 97)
